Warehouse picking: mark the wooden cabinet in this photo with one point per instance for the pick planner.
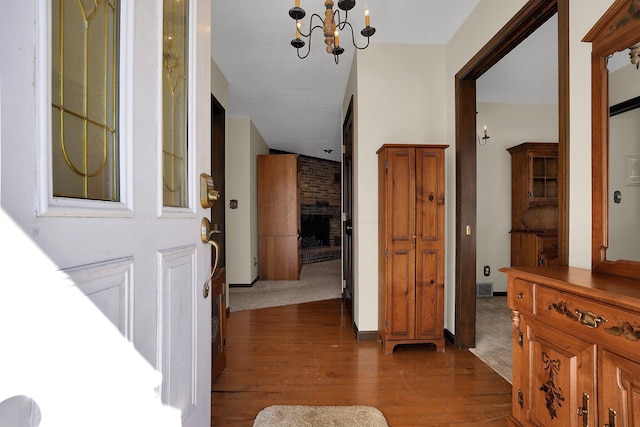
(576, 348)
(411, 245)
(218, 323)
(279, 217)
(532, 249)
(534, 204)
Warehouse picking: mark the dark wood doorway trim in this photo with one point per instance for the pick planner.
(348, 294)
(218, 133)
(526, 21)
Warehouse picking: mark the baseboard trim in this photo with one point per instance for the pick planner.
(365, 335)
(449, 336)
(500, 294)
(244, 285)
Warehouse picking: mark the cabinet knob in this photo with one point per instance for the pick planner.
(612, 418)
(520, 295)
(583, 411)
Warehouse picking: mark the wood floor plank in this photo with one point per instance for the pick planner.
(307, 354)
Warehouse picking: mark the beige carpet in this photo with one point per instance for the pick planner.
(319, 281)
(493, 334)
(320, 416)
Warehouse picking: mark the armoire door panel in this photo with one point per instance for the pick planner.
(429, 195)
(402, 194)
(428, 309)
(279, 258)
(278, 195)
(401, 318)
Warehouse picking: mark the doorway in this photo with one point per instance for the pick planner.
(347, 204)
(525, 22)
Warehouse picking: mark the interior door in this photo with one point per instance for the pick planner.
(347, 206)
(136, 261)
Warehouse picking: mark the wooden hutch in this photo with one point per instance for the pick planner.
(534, 204)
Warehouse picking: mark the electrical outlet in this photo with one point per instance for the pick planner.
(487, 270)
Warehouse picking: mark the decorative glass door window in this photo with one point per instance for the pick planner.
(85, 99)
(174, 103)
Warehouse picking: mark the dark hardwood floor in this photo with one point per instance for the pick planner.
(306, 354)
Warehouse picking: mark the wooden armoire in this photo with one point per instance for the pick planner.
(534, 204)
(411, 245)
(279, 217)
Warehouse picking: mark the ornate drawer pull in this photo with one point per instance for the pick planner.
(590, 319)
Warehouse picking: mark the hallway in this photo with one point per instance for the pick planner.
(307, 354)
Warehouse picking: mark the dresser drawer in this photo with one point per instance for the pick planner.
(596, 322)
(523, 293)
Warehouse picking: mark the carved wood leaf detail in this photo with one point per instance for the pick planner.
(626, 330)
(553, 394)
(563, 308)
(632, 13)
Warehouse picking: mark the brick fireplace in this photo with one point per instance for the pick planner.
(321, 230)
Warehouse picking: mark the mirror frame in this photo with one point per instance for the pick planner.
(616, 30)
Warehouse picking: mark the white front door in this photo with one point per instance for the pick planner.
(140, 332)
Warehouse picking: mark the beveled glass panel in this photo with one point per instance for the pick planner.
(84, 64)
(174, 102)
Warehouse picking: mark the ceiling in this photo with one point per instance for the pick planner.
(296, 104)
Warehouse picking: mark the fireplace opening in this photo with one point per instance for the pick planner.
(316, 231)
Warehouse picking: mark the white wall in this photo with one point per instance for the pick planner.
(583, 16)
(400, 100)
(219, 85)
(257, 146)
(507, 125)
(244, 143)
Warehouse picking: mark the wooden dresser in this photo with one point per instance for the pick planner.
(411, 245)
(576, 348)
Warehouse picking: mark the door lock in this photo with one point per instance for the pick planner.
(208, 194)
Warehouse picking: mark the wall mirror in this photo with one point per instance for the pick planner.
(615, 35)
(624, 157)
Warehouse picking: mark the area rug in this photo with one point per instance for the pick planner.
(320, 416)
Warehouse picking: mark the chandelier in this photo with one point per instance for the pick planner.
(332, 25)
(634, 55)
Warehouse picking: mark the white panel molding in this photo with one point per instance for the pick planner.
(109, 285)
(177, 327)
(46, 203)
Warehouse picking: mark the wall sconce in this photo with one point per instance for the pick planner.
(483, 141)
